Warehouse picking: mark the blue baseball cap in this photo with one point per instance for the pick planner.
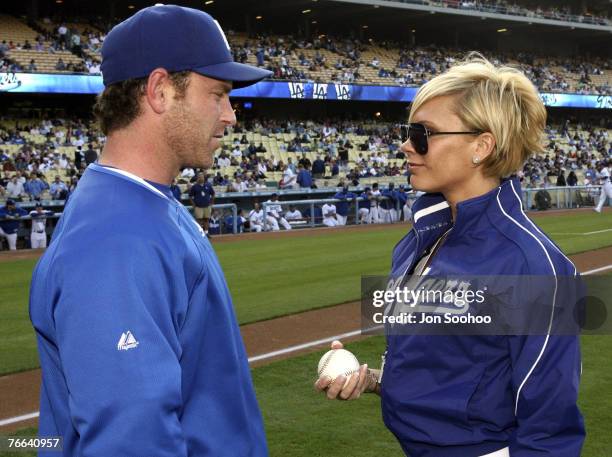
(175, 38)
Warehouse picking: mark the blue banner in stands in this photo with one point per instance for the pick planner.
(86, 84)
(45, 83)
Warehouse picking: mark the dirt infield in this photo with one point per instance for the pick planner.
(19, 392)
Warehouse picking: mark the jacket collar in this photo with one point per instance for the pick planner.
(432, 214)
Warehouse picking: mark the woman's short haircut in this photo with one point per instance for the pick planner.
(496, 99)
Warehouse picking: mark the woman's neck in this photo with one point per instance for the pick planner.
(468, 191)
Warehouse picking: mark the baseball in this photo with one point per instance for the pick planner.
(338, 362)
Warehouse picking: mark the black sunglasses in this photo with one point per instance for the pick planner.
(418, 135)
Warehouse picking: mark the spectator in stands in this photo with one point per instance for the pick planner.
(289, 179)
(10, 216)
(78, 157)
(32, 66)
(202, 197)
(90, 155)
(238, 185)
(60, 65)
(236, 154)
(35, 186)
(223, 161)
(572, 179)
(318, 168)
(58, 189)
(188, 173)
(291, 165)
(561, 182)
(62, 31)
(15, 189)
(304, 178)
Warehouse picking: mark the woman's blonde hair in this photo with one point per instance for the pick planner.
(500, 100)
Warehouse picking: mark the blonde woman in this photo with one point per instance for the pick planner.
(469, 130)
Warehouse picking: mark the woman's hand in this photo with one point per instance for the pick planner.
(360, 382)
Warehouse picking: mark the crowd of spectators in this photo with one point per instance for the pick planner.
(316, 154)
(315, 150)
(414, 65)
(85, 43)
(285, 57)
(557, 12)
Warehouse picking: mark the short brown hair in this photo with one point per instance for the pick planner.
(119, 104)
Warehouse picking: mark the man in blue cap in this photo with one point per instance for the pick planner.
(140, 351)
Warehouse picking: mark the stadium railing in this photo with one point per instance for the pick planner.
(568, 197)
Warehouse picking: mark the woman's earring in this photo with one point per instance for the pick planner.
(475, 160)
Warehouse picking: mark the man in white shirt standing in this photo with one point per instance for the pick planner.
(329, 215)
(14, 189)
(38, 236)
(289, 178)
(606, 185)
(374, 215)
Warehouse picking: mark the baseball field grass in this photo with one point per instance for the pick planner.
(274, 277)
(302, 423)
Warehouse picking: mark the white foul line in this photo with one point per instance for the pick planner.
(582, 233)
(596, 270)
(299, 347)
(25, 417)
(269, 355)
(598, 231)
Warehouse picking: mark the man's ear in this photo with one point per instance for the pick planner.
(159, 91)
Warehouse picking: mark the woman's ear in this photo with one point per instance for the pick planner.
(485, 145)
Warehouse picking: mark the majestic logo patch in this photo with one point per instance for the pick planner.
(127, 341)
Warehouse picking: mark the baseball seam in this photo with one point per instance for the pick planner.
(326, 362)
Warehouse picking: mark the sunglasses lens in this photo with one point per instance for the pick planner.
(418, 138)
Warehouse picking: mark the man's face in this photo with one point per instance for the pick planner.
(194, 125)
